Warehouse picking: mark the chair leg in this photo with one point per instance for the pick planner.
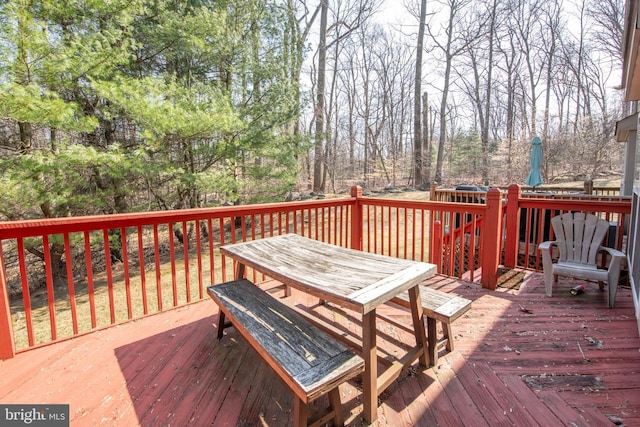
(547, 268)
(613, 290)
(549, 278)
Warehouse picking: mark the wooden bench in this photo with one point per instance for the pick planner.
(438, 306)
(309, 361)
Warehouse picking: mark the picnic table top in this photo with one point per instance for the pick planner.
(351, 278)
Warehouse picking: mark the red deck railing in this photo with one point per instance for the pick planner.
(71, 276)
(528, 222)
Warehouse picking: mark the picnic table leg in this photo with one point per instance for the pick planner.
(240, 269)
(370, 374)
(418, 326)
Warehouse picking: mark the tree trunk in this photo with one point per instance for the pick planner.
(319, 110)
(426, 140)
(417, 111)
(445, 94)
(487, 111)
(25, 137)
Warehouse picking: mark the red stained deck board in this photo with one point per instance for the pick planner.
(183, 376)
(594, 417)
(455, 393)
(559, 406)
(529, 401)
(166, 362)
(197, 391)
(263, 392)
(218, 381)
(170, 368)
(244, 381)
(435, 392)
(490, 409)
(394, 412)
(503, 395)
(418, 405)
(607, 400)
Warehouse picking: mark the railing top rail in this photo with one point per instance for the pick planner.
(621, 206)
(38, 227)
(478, 208)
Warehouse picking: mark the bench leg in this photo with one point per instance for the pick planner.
(333, 413)
(299, 412)
(220, 325)
(336, 406)
(432, 338)
(448, 336)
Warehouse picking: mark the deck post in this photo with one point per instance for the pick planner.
(435, 251)
(356, 218)
(512, 233)
(7, 345)
(492, 239)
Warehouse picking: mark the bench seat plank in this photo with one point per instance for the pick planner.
(437, 306)
(309, 361)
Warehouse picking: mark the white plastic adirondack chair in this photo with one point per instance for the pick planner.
(579, 240)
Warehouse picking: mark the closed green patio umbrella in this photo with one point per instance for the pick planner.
(535, 178)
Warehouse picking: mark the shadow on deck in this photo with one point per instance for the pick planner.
(520, 358)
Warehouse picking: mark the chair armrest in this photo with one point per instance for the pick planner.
(547, 264)
(545, 246)
(616, 257)
(613, 252)
(613, 271)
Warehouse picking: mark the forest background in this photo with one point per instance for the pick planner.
(114, 106)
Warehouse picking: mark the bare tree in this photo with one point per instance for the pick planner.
(608, 16)
(509, 66)
(550, 38)
(452, 47)
(417, 110)
(526, 23)
(319, 114)
(477, 77)
(351, 16)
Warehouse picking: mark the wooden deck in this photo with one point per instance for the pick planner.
(521, 359)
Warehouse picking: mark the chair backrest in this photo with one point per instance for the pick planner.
(578, 236)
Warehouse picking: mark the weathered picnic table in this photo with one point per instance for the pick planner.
(356, 280)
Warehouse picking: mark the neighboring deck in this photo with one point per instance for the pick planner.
(521, 359)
